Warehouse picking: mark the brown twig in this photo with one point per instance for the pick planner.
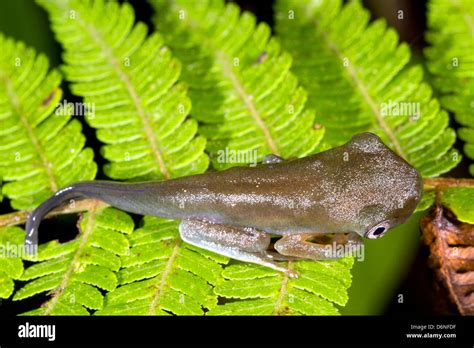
(440, 183)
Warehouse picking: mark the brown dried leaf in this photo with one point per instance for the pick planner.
(451, 245)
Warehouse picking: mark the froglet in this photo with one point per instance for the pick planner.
(359, 189)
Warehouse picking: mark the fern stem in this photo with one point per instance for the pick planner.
(31, 135)
(20, 217)
(441, 183)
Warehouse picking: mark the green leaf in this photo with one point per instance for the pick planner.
(11, 265)
(240, 84)
(40, 150)
(162, 274)
(6, 285)
(74, 272)
(358, 79)
(450, 61)
(128, 80)
(262, 291)
(460, 200)
(427, 200)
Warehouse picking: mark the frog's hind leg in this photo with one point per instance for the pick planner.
(240, 243)
(297, 245)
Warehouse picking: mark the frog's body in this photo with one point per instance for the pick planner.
(355, 189)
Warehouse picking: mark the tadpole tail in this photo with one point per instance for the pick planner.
(131, 197)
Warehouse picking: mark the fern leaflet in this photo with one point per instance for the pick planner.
(163, 274)
(450, 60)
(358, 79)
(73, 272)
(11, 265)
(140, 110)
(40, 151)
(123, 121)
(261, 291)
(240, 82)
(460, 200)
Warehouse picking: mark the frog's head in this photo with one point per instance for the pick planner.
(387, 189)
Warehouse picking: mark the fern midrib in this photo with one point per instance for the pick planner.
(123, 76)
(361, 87)
(277, 310)
(247, 99)
(164, 278)
(228, 72)
(31, 135)
(74, 262)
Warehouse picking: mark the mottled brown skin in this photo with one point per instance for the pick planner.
(361, 189)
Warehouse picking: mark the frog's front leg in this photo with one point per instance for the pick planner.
(240, 243)
(297, 245)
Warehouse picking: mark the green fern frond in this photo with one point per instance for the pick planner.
(239, 81)
(460, 200)
(40, 151)
(247, 99)
(130, 81)
(451, 62)
(358, 77)
(255, 290)
(125, 123)
(11, 265)
(427, 201)
(163, 274)
(73, 273)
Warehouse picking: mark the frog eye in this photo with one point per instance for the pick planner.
(377, 231)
